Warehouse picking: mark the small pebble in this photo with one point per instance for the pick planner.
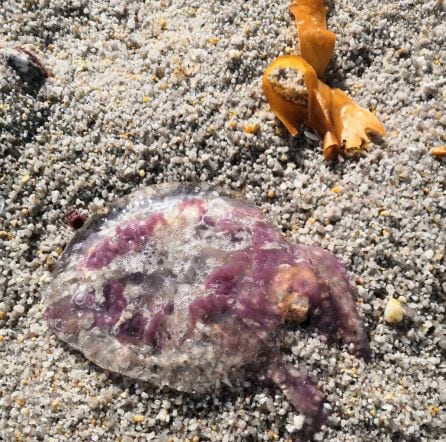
(439, 151)
(394, 311)
(138, 418)
(2, 206)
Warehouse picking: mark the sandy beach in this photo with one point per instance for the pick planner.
(149, 92)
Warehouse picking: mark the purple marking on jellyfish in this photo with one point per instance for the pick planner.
(132, 330)
(257, 309)
(302, 394)
(269, 251)
(339, 312)
(113, 306)
(197, 203)
(128, 238)
(207, 308)
(153, 328)
(207, 221)
(232, 228)
(224, 280)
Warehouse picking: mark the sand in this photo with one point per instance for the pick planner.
(157, 91)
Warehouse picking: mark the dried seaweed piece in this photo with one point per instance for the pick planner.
(306, 99)
(297, 96)
(282, 95)
(343, 123)
(187, 286)
(316, 43)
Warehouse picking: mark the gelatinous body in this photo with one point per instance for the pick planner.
(186, 286)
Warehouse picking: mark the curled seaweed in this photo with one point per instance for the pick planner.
(316, 43)
(297, 96)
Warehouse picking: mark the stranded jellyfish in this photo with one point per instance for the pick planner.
(186, 286)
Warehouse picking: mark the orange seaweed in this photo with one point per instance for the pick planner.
(316, 43)
(343, 124)
(290, 114)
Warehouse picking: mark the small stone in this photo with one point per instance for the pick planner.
(2, 206)
(271, 194)
(252, 128)
(19, 309)
(235, 54)
(439, 151)
(394, 311)
(298, 421)
(311, 135)
(272, 435)
(6, 235)
(241, 424)
(138, 418)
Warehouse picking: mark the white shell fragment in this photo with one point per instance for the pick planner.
(394, 311)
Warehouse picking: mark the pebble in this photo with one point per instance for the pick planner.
(138, 418)
(235, 54)
(394, 311)
(20, 309)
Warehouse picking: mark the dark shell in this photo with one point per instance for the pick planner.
(27, 65)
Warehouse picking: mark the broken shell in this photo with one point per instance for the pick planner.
(394, 311)
(27, 65)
